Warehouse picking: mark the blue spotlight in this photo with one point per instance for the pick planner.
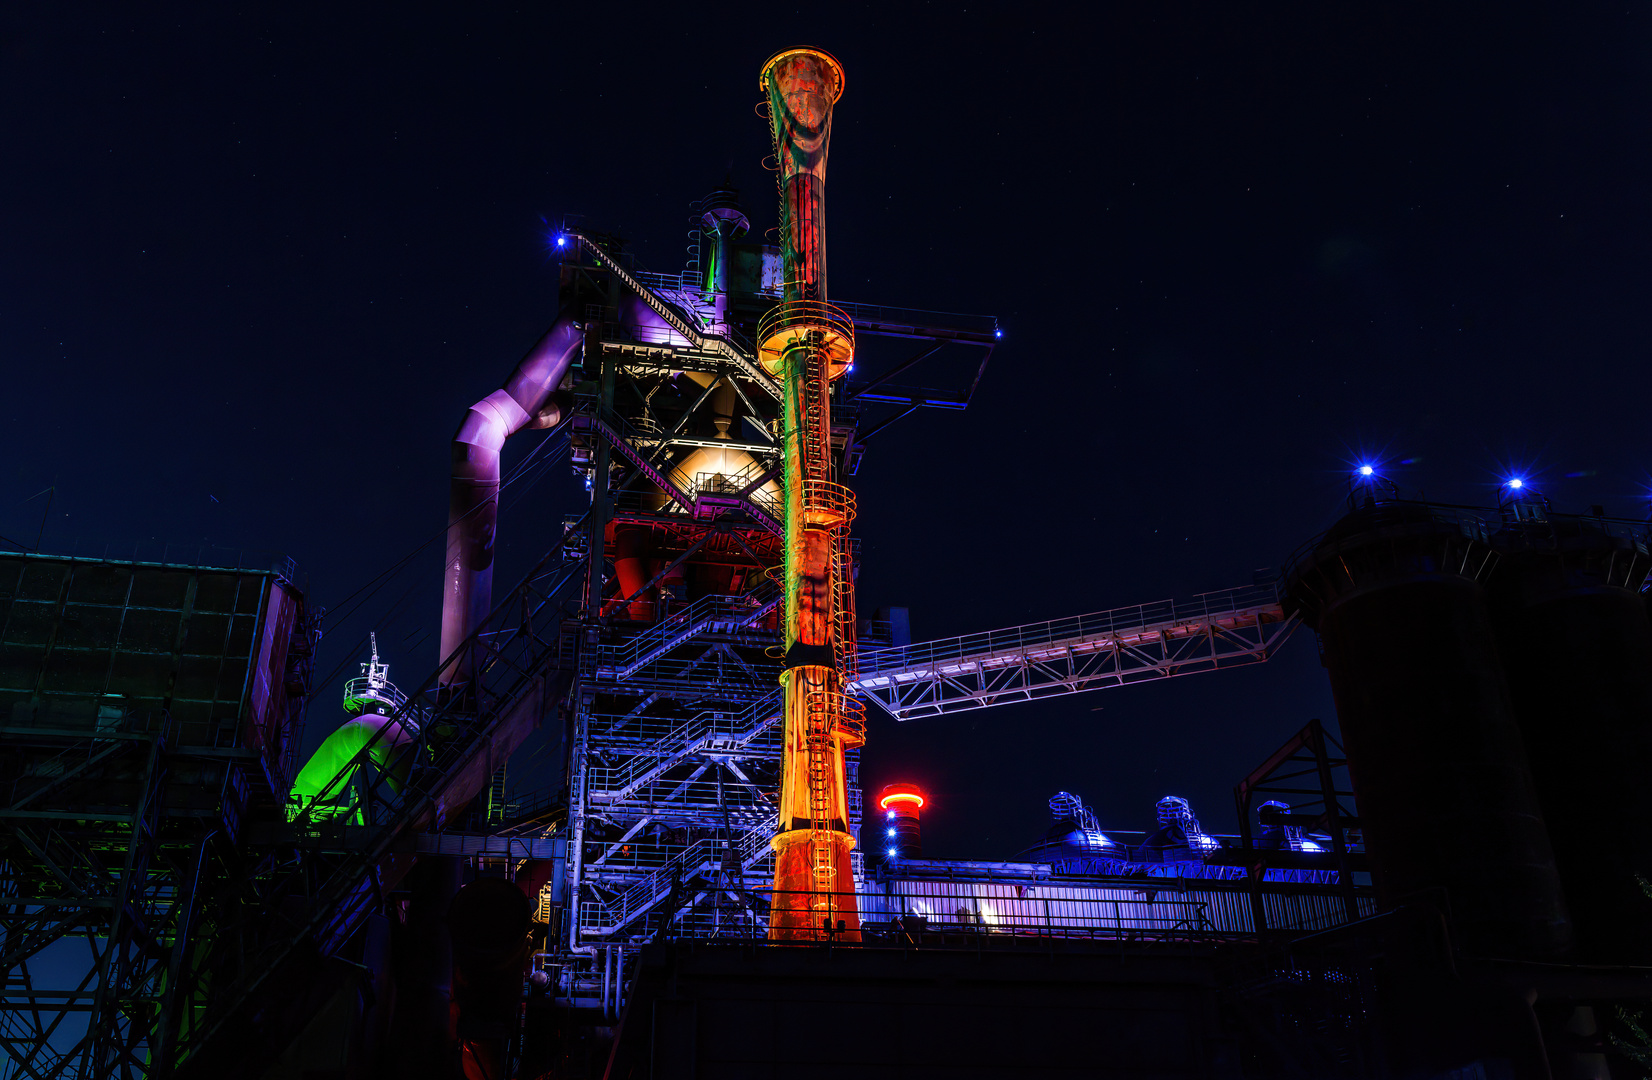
(1516, 483)
(562, 241)
(998, 333)
(1366, 470)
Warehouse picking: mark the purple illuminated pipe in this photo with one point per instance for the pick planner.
(525, 401)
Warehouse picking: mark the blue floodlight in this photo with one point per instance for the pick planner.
(1366, 470)
(891, 851)
(891, 832)
(998, 333)
(562, 241)
(1516, 483)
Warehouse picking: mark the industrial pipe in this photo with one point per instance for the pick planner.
(807, 343)
(527, 400)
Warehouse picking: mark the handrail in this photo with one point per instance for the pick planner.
(718, 345)
(694, 733)
(750, 847)
(704, 614)
(1135, 619)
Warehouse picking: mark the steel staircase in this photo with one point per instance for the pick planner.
(705, 343)
(702, 732)
(599, 919)
(707, 614)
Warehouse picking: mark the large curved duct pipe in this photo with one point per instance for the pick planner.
(525, 401)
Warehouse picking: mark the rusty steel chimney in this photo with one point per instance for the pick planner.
(807, 344)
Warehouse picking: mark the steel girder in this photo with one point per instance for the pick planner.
(1069, 656)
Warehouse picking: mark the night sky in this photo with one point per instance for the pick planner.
(255, 261)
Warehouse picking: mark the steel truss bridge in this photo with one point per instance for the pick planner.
(1139, 643)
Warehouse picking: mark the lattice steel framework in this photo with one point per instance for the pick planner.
(674, 762)
(1142, 642)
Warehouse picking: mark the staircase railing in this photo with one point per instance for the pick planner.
(705, 614)
(319, 899)
(719, 346)
(597, 918)
(693, 736)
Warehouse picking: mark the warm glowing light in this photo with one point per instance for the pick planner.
(901, 796)
(1366, 470)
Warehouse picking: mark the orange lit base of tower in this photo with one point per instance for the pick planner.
(798, 913)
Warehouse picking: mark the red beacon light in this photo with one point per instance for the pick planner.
(901, 793)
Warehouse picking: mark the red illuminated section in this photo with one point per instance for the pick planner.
(898, 793)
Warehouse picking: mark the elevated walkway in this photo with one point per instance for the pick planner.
(1211, 631)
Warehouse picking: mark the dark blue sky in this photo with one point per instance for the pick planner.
(256, 260)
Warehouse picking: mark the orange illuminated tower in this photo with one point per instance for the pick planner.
(807, 344)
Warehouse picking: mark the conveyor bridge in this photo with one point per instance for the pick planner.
(1124, 645)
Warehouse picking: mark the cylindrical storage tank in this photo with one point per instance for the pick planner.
(1445, 797)
(902, 837)
(1577, 647)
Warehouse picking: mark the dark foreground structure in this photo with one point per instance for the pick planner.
(1458, 888)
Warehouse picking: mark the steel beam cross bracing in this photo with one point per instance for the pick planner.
(1142, 642)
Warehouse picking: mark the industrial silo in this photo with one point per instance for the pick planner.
(1577, 646)
(1395, 592)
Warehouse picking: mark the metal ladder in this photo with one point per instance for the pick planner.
(819, 718)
